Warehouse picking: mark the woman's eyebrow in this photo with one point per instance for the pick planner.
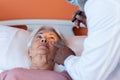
(52, 34)
(40, 33)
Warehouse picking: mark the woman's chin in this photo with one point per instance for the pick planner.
(43, 51)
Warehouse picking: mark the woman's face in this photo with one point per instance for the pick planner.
(42, 43)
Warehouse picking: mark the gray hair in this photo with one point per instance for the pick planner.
(44, 27)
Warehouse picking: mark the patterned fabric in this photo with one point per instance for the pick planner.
(79, 3)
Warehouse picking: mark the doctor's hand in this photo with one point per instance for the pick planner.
(79, 17)
(62, 53)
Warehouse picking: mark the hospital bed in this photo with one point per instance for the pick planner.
(15, 33)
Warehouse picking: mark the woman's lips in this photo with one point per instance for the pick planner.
(43, 45)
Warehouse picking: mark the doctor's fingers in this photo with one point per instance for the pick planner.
(58, 44)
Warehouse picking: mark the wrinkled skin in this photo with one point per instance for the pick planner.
(62, 53)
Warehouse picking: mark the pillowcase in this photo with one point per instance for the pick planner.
(76, 43)
(13, 51)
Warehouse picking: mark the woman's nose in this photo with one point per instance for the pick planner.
(43, 40)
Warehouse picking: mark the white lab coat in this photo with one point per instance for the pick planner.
(100, 59)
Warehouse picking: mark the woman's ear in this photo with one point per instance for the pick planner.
(29, 52)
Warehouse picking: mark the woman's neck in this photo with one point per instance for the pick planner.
(41, 62)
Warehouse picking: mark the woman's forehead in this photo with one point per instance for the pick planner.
(47, 32)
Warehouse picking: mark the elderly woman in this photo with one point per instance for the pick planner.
(41, 49)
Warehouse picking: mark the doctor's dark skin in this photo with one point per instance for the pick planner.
(79, 17)
(62, 53)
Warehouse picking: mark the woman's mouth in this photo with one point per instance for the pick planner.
(43, 45)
